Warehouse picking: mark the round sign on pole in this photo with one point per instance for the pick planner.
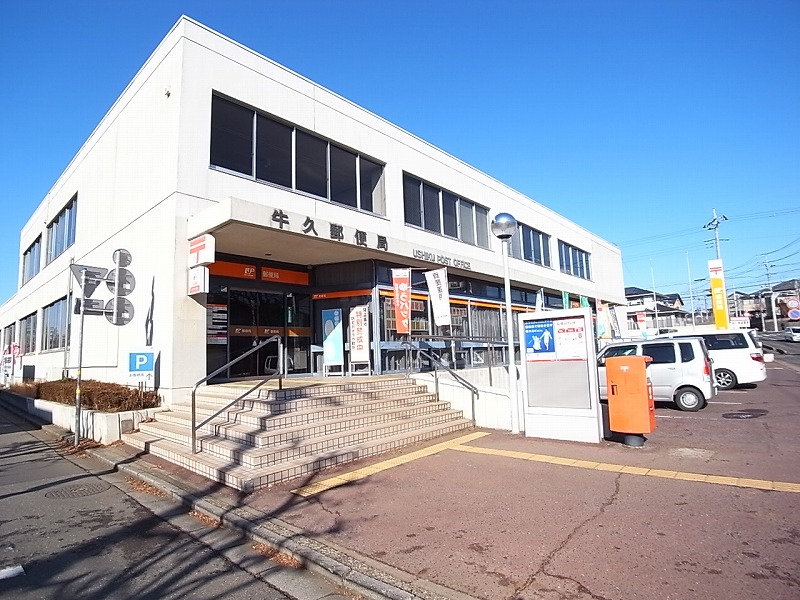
(793, 303)
(122, 258)
(123, 314)
(127, 282)
(794, 314)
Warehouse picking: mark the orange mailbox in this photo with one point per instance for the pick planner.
(630, 395)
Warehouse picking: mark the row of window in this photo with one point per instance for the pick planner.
(253, 144)
(573, 261)
(439, 211)
(250, 143)
(60, 236)
(56, 323)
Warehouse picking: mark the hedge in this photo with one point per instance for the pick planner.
(95, 395)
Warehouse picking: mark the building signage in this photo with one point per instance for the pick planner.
(401, 280)
(230, 269)
(441, 259)
(198, 280)
(439, 295)
(141, 365)
(719, 301)
(332, 338)
(324, 230)
(359, 334)
(202, 250)
(217, 324)
(284, 276)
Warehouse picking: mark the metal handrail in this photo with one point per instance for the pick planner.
(279, 373)
(437, 362)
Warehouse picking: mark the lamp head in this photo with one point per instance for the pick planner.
(504, 226)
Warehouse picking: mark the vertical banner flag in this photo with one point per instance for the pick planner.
(585, 302)
(332, 339)
(564, 299)
(539, 300)
(401, 280)
(438, 288)
(719, 300)
(616, 331)
(603, 321)
(359, 334)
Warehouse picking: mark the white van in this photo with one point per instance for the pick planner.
(737, 354)
(681, 370)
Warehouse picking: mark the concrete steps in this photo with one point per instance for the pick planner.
(272, 435)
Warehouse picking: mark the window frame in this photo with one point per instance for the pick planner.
(61, 231)
(56, 323)
(574, 261)
(27, 338)
(32, 260)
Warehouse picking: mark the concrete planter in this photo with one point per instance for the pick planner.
(102, 427)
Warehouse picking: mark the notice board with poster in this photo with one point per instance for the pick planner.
(559, 375)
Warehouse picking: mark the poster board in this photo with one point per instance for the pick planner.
(559, 375)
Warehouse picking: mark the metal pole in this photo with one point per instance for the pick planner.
(691, 293)
(80, 361)
(512, 365)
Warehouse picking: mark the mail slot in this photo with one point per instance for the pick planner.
(630, 395)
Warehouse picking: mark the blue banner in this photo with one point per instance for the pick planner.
(333, 338)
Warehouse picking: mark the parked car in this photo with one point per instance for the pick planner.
(792, 334)
(681, 371)
(737, 354)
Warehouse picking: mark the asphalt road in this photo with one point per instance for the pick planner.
(71, 529)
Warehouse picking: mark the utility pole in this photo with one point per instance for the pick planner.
(713, 225)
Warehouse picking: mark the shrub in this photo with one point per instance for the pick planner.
(95, 395)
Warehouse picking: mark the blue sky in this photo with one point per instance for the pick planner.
(634, 119)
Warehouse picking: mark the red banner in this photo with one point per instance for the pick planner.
(401, 280)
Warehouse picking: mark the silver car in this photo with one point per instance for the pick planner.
(792, 334)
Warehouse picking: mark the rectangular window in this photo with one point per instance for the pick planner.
(535, 245)
(343, 177)
(482, 226)
(8, 336)
(467, 222)
(312, 164)
(61, 232)
(31, 260)
(231, 136)
(573, 260)
(373, 198)
(27, 334)
(55, 325)
(430, 208)
(273, 151)
(411, 200)
(450, 214)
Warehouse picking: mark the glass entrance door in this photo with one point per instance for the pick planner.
(254, 317)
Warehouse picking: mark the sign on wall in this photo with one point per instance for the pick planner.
(401, 281)
(440, 296)
(332, 342)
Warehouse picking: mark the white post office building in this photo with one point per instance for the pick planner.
(306, 201)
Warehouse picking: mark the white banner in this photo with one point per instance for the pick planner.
(440, 296)
(359, 334)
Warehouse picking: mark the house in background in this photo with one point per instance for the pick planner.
(661, 311)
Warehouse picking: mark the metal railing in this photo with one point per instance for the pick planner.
(475, 342)
(278, 372)
(437, 363)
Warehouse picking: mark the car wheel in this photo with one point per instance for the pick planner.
(725, 379)
(689, 399)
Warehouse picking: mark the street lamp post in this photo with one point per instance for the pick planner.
(503, 227)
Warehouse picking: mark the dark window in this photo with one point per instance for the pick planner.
(411, 200)
(27, 332)
(660, 353)
(449, 208)
(430, 207)
(273, 152)
(573, 260)
(343, 177)
(61, 232)
(725, 341)
(687, 352)
(231, 136)
(312, 164)
(31, 259)
(620, 351)
(371, 175)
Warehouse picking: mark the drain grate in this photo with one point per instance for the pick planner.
(79, 490)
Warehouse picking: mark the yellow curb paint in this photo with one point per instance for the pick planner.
(332, 482)
(635, 470)
(661, 473)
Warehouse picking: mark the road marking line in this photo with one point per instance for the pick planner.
(715, 402)
(332, 482)
(9, 572)
(743, 482)
(459, 445)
